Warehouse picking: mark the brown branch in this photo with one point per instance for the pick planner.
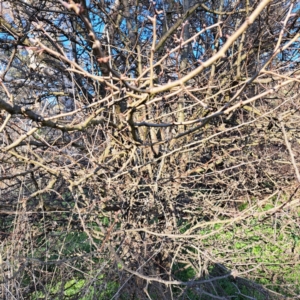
(221, 53)
(175, 26)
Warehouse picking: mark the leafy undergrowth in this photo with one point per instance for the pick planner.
(79, 289)
(260, 255)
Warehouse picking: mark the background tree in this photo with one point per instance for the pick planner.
(149, 149)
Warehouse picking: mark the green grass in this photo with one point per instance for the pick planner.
(268, 247)
(74, 287)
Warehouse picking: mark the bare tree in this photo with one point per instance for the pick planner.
(150, 145)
